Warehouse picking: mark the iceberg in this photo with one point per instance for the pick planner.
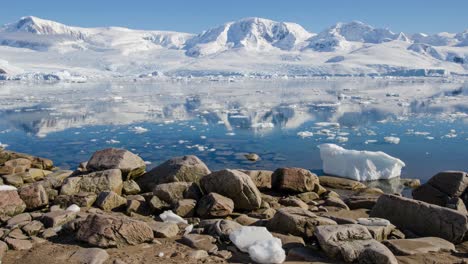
(359, 165)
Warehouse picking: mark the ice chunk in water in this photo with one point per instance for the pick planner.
(392, 140)
(259, 243)
(359, 165)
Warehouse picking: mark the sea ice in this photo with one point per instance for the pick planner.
(341, 139)
(359, 165)
(3, 146)
(304, 134)
(170, 217)
(138, 130)
(259, 243)
(7, 188)
(392, 140)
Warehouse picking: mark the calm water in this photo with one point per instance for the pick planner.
(221, 121)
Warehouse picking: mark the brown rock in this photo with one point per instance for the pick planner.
(113, 231)
(11, 203)
(293, 202)
(57, 218)
(340, 183)
(214, 205)
(294, 180)
(34, 195)
(261, 178)
(89, 255)
(33, 228)
(175, 191)
(203, 242)
(96, 182)
(185, 207)
(423, 245)
(131, 165)
(164, 230)
(109, 201)
(18, 244)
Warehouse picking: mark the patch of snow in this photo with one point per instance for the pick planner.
(7, 188)
(170, 217)
(359, 165)
(73, 208)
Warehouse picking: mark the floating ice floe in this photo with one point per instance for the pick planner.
(392, 140)
(341, 139)
(263, 125)
(304, 134)
(325, 124)
(112, 141)
(170, 217)
(139, 130)
(259, 243)
(359, 165)
(370, 141)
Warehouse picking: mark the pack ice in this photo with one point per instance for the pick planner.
(259, 243)
(359, 165)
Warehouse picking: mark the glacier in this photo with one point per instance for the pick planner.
(35, 49)
(359, 165)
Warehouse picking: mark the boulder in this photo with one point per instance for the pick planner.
(423, 245)
(18, 244)
(214, 205)
(109, 201)
(57, 218)
(336, 202)
(89, 256)
(129, 164)
(200, 242)
(18, 220)
(421, 218)
(96, 182)
(442, 187)
(34, 196)
(33, 228)
(185, 207)
(172, 192)
(219, 228)
(294, 180)
(352, 243)
(297, 221)
(106, 231)
(164, 229)
(293, 202)
(361, 201)
(235, 185)
(178, 169)
(341, 183)
(14, 179)
(261, 178)
(11, 203)
(130, 187)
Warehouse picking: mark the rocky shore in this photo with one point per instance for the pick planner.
(112, 210)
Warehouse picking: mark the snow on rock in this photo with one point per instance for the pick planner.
(73, 208)
(392, 140)
(7, 188)
(170, 217)
(259, 243)
(359, 165)
(304, 134)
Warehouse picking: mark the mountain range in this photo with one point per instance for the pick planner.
(38, 49)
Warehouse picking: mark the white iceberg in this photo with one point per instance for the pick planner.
(170, 217)
(259, 243)
(392, 140)
(359, 165)
(304, 134)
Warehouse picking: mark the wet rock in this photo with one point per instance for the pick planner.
(421, 218)
(34, 196)
(11, 203)
(404, 247)
(109, 201)
(235, 185)
(96, 182)
(340, 183)
(185, 207)
(294, 180)
(352, 243)
(57, 218)
(252, 157)
(214, 205)
(164, 230)
(175, 191)
(131, 165)
(178, 169)
(261, 178)
(200, 242)
(297, 221)
(131, 187)
(18, 244)
(113, 231)
(89, 255)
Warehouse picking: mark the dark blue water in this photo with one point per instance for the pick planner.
(221, 123)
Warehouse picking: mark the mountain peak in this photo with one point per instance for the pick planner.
(39, 26)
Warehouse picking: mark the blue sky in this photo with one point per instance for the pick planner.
(196, 15)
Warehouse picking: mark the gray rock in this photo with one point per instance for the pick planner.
(261, 178)
(96, 182)
(89, 256)
(178, 169)
(131, 165)
(164, 230)
(235, 185)
(294, 180)
(214, 205)
(297, 221)
(11, 203)
(423, 245)
(421, 218)
(106, 231)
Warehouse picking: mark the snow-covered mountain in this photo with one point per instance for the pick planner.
(256, 34)
(34, 48)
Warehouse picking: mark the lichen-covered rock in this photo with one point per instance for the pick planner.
(294, 180)
(106, 231)
(131, 165)
(96, 182)
(235, 185)
(178, 169)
